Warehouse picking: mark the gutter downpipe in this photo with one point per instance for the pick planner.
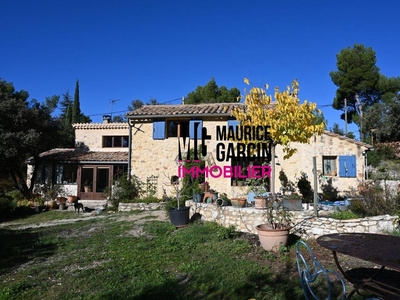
(130, 150)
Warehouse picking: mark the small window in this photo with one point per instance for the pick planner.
(115, 141)
(329, 164)
(177, 128)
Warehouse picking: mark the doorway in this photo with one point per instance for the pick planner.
(94, 180)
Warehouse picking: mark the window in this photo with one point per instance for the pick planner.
(115, 141)
(329, 165)
(66, 173)
(176, 128)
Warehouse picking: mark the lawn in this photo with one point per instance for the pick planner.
(136, 256)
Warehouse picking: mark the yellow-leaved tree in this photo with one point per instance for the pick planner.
(289, 120)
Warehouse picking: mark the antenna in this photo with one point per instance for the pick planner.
(112, 102)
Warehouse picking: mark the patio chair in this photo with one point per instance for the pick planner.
(316, 281)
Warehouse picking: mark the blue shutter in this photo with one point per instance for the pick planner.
(347, 166)
(233, 123)
(159, 130)
(191, 128)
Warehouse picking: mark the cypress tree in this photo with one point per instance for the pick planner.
(76, 110)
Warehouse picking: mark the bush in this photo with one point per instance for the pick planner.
(377, 201)
(124, 190)
(344, 215)
(7, 206)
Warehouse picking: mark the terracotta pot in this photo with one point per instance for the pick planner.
(260, 202)
(272, 239)
(61, 200)
(87, 189)
(239, 202)
(71, 199)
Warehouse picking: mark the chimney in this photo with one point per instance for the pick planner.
(106, 119)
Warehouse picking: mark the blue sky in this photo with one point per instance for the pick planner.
(125, 50)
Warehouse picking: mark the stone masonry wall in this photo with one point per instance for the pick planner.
(307, 225)
(246, 219)
(91, 134)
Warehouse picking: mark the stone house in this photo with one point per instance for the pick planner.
(103, 151)
(157, 130)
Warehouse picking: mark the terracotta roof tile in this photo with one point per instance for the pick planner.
(77, 155)
(153, 111)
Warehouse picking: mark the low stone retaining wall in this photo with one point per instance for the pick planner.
(307, 225)
(140, 206)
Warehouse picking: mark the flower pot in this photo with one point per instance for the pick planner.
(239, 202)
(215, 196)
(272, 239)
(198, 197)
(87, 189)
(71, 199)
(61, 206)
(260, 202)
(62, 200)
(292, 204)
(179, 217)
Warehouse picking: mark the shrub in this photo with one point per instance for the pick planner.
(377, 201)
(344, 215)
(124, 190)
(7, 205)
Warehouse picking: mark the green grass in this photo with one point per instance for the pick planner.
(103, 258)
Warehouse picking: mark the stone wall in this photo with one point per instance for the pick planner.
(307, 225)
(246, 219)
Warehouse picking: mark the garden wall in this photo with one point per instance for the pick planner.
(246, 219)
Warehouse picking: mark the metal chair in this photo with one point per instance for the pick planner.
(316, 281)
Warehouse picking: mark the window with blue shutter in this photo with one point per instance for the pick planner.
(159, 130)
(192, 125)
(347, 166)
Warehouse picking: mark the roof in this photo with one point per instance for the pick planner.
(100, 125)
(184, 110)
(345, 138)
(79, 156)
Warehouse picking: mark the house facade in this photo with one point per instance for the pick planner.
(86, 171)
(157, 133)
(148, 146)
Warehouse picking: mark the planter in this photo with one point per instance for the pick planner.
(260, 202)
(239, 202)
(198, 197)
(292, 204)
(61, 206)
(179, 217)
(62, 200)
(272, 239)
(71, 199)
(221, 202)
(215, 196)
(87, 189)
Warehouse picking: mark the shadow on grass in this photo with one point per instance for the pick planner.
(21, 246)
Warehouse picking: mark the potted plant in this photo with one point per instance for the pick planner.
(197, 194)
(87, 186)
(177, 212)
(292, 201)
(71, 198)
(274, 232)
(258, 189)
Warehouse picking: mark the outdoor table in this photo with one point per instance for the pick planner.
(383, 250)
